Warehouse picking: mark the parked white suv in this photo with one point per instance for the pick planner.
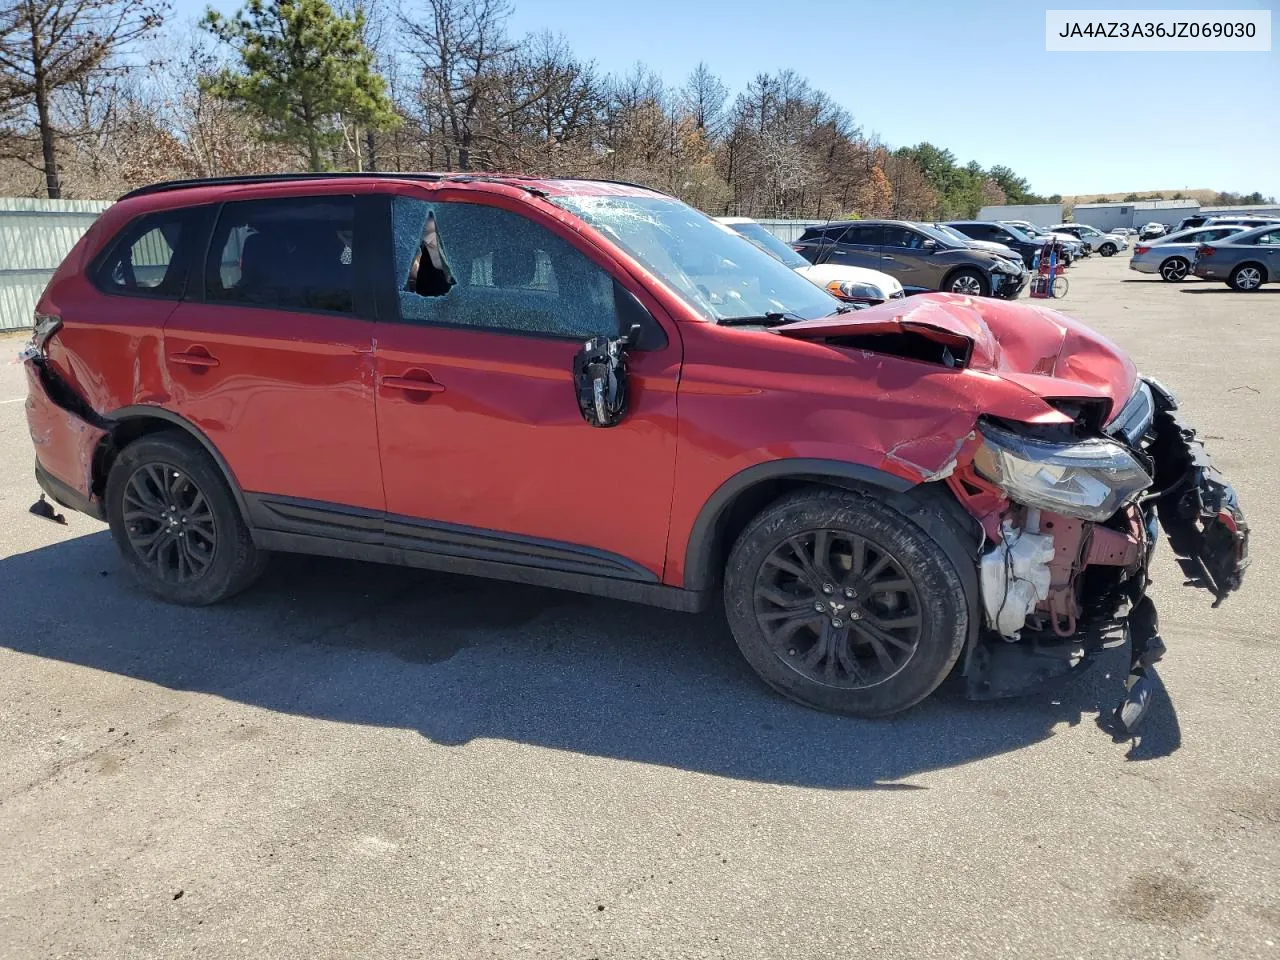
(856, 285)
(1094, 240)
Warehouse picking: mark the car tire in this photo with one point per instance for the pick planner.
(176, 523)
(1107, 249)
(1175, 269)
(971, 283)
(895, 614)
(1247, 278)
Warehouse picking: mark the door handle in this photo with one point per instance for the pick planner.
(412, 384)
(200, 361)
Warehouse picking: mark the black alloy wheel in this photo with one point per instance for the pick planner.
(169, 523)
(838, 609)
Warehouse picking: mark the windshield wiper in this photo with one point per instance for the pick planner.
(775, 318)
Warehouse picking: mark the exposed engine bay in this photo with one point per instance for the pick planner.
(1057, 587)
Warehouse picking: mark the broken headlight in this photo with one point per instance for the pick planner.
(1088, 479)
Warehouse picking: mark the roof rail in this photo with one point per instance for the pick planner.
(253, 178)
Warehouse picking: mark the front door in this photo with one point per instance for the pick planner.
(484, 451)
(273, 359)
(908, 257)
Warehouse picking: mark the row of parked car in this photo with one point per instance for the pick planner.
(866, 262)
(1243, 252)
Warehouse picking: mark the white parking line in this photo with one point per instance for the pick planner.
(14, 400)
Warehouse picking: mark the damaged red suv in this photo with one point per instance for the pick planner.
(594, 387)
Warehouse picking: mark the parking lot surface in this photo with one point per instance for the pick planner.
(362, 761)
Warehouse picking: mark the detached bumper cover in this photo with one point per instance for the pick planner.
(1198, 509)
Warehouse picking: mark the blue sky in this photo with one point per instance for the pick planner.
(973, 77)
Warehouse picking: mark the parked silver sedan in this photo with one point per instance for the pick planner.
(1244, 262)
(1171, 256)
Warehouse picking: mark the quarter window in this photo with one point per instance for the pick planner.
(149, 259)
(1271, 239)
(471, 265)
(290, 254)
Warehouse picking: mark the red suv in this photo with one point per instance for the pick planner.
(594, 387)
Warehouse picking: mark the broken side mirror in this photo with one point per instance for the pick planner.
(600, 367)
(600, 380)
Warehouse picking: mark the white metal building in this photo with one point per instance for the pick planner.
(1041, 214)
(1108, 216)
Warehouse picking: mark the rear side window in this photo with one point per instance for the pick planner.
(295, 253)
(471, 265)
(151, 255)
(1270, 239)
(862, 235)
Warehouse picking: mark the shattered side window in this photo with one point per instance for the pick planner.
(467, 264)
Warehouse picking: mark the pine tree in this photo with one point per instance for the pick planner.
(303, 70)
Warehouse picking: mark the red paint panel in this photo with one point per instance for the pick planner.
(64, 443)
(289, 404)
(503, 446)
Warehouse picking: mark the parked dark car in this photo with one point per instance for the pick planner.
(1244, 261)
(920, 257)
(1013, 238)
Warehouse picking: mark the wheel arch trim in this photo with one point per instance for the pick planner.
(700, 549)
(144, 411)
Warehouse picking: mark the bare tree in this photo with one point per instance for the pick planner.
(703, 98)
(49, 45)
(461, 47)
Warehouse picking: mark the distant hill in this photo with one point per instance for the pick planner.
(1206, 197)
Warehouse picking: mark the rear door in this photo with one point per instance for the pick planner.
(273, 358)
(485, 454)
(858, 245)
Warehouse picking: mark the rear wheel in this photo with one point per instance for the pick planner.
(176, 523)
(842, 603)
(1107, 249)
(971, 283)
(1175, 269)
(1247, 277)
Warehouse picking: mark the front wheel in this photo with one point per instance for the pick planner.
(1175, 269)
(842, 603)
(1059, 288)
(1107, 249)
(1246, 278)
(971, 283)
(176, 523)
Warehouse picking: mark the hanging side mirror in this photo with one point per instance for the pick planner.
(600, 380)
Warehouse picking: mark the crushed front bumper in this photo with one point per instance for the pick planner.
(1007, 286)
(1107, 585)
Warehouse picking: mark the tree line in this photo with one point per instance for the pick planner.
(99, 96)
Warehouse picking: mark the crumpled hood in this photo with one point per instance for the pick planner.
(1041, 350)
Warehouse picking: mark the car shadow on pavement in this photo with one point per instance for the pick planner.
(1236, 293)
(458, 658)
